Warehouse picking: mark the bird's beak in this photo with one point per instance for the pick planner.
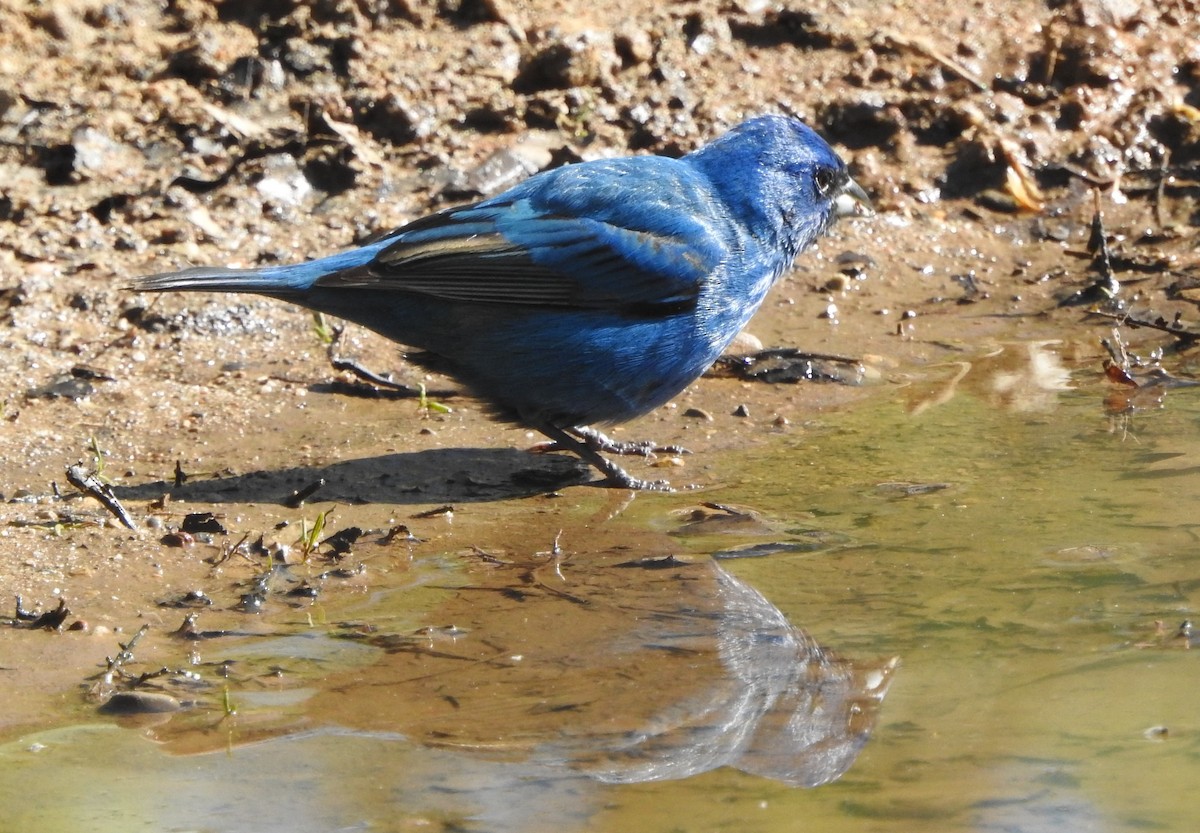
(853, 200)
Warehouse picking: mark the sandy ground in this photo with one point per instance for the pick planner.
(140, 137)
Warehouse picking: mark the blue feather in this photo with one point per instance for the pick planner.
(589, 294)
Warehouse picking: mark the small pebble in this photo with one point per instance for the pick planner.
(140, 702)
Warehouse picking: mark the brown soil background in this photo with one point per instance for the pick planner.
(142, 136)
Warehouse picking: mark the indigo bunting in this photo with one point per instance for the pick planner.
(585, 295)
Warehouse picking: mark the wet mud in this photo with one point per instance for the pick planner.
(1035, 169)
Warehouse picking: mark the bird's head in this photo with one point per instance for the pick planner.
(781, 180)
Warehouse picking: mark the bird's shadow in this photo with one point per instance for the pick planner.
(443, 475)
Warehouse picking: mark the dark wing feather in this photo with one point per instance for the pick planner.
(518, 250)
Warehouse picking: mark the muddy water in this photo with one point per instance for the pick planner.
(996, 527)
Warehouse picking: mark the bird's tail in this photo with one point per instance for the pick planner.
(276, 281)
(286, 281)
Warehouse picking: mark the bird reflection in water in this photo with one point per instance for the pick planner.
(623, 671)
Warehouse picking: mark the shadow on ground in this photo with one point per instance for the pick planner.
(444, 475)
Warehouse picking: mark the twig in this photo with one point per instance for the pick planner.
(1162, 185)
(123, 656)
(90, 484)
(351, 366)
(1160, 324)
(923, 48)
(362, 373)
(296, 499)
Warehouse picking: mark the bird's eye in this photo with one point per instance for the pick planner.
(823, 180)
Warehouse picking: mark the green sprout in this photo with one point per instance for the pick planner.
(227, 703)
(97, 460)
(324, 332)
(427, 405)
(310, 537)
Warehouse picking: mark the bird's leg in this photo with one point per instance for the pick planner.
(599, 441)
(581, 442)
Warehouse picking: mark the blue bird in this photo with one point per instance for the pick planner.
(585, 295)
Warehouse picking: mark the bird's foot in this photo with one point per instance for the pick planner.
(617, 478)
(587, 444)
(599, 441)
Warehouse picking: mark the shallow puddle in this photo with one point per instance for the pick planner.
(1026, 554)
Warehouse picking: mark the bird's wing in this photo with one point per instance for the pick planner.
(586, 241)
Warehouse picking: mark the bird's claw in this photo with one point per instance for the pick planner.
(621, 479)
(601, 442)
(588, 443)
